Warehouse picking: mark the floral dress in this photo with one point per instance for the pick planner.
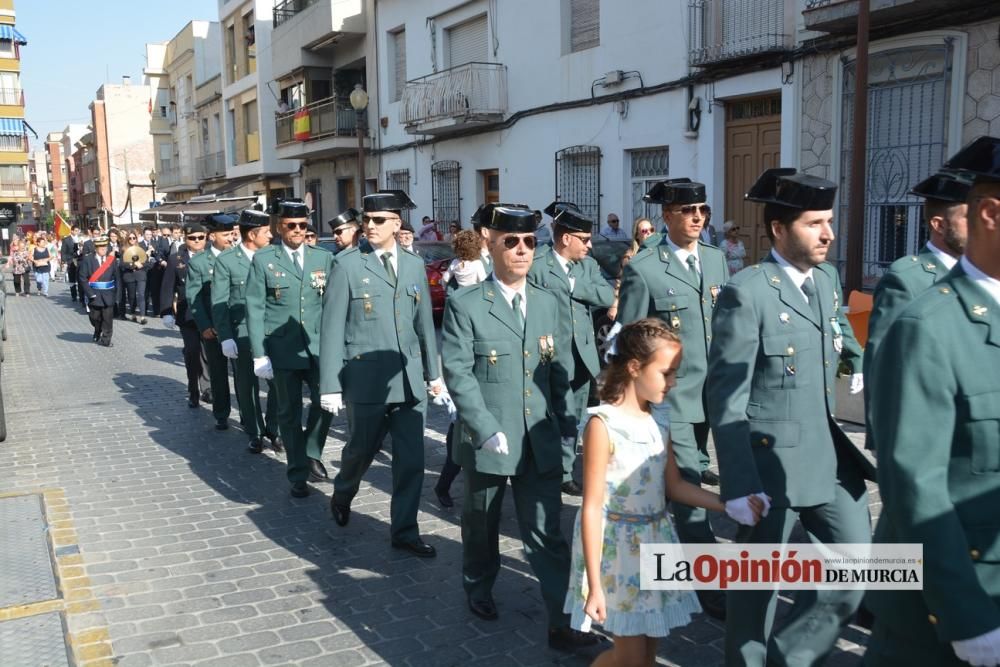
(635, 512)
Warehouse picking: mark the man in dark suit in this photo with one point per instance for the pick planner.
(100, 275)
(778, 336)
(69, 255)
(173, 301)
(158, 248)
(377, 352)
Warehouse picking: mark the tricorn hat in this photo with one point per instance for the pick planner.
(292, 208)
(516, 218)
(945, 186)
(569, 215)
(787, 187)
(676, 191)
(349, 217)
(251, 219)
(387, 200)
(981, 159)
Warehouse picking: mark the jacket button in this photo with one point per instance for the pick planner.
(932, 619)
(527, 392)
(527, 411)
(527, 374)
(790, 351)
(826, 363)
(828, 390)
(974, 553)
(527, 354)
(764, 441)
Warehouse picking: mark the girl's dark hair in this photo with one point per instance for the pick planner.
(638, 341)
(467, 245)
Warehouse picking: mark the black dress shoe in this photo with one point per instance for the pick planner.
(277, 444)
(256, 446)
(417, 547)
(568, 639)
(105, 343)
(713, 603)
(317, 471)
(571, 488)
(444, 500)
(485, 609)
(192, 400)
(299, 490)
(221, 424)
(709, 478)
(341, 513)
(206, 396)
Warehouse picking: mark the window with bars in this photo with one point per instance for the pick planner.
(445, 194)
(399, 179)
(584, 24)
(646, 167)
(578, 178)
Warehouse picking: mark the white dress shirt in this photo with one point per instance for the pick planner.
(797, 277)
(991, 285)
(300, 251)
(215, 251)
(947, 260)
(249, 253)
(508, 293)
(394, 259)
(564, 263)
(684, 254)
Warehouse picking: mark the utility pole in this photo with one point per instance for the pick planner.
(859, 158)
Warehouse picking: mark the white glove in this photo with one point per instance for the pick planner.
(981, 650)
(332, 403)
(436, 388)
(739, 510)
(229, 349)
(568, 441)
(496, 444)
(448, 404)
(169, 321)
(262, 368)
(857, 383)
(612, 343)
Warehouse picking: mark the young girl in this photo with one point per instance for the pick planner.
(629, 472)
(467, 267)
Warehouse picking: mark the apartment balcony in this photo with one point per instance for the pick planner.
(455, 99)
(15, 189)
(723, 31)
(841, 16)
(211, 166)
(332, 131)
(304, 31)
(12, 97)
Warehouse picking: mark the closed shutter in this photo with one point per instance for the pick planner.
(585, 24)
(468, 42)
(399, 64)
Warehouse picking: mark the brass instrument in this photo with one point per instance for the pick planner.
(134, 254)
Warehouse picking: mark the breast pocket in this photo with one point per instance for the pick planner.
(493, 360)
(782, 356)
(366, 304)
(983, 431)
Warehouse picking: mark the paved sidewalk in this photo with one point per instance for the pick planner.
(192, 551)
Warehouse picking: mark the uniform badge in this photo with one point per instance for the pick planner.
(664, 255)
(277, 292)
(836, 301)
(368, 307)
(493, 357)
(552, 344)
(211, 271)
(365, 281)
(671, 292)
(775, 280)
(979, 311)
(929, 266)
(790, 370)
(838, 335)
(675, 322)
(319, 281)
(270, 267)
(543, 348)
(416, 293)
(490, 293)
(784, 318)
(714, 290)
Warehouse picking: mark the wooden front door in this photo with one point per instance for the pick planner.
(491, 186)
(753, 144)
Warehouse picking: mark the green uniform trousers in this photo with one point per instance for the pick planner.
(537, 502)
(579, 385)
(218, 376)
(300, 444)
(692, 523)
(816, 620)
(256, 422)
(369, 424)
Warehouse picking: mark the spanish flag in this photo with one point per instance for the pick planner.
(62, 227)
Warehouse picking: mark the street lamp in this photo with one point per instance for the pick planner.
(359, 101)
(152, 179)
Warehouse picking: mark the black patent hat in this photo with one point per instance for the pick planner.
(251, 219)
(349, 217)
(514, 218)
(292, 208)
(406, 227)
(981, 159)
(387, 200)
(221, 222)
(787, 187)
(945, 186)
(676, 191)
(569, 215)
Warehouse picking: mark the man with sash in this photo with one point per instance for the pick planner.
(284, 307)
(778, 335)
(100, 275)
(199, 297)
(378, 350)
(229, 288)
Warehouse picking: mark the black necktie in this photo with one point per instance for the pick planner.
(387, 260)
(809, 289)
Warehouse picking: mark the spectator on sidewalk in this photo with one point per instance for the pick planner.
(20, 266)
(428, 230)
(41, 260)
(613, 232)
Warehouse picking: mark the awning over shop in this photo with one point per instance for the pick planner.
(8, 31)
(178, 211)
(12, 126)
(232, 185)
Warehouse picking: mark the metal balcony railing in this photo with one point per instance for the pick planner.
(469, 90)
(14, 189)
(724, 30)
(813, 4)
(170, 177)
(12, 96)
(327, 118)
(289, 8)
(211, 166)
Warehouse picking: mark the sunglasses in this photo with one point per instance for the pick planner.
(378, 220)
(645, 231)
(704, 209)
(195, 237)
(295, 225)
(341, 230)
(582, 239)
(511, 242)
(310, 236)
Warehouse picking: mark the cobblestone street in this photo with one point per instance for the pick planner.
(189, 549)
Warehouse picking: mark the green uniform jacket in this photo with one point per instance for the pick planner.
(657, 284)
(199, 288)
(937, 423)
(283, 309)
(505, 381)
(906, 278)
(376, 336)
(770, 387)
(590, 290)
(229, 294)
